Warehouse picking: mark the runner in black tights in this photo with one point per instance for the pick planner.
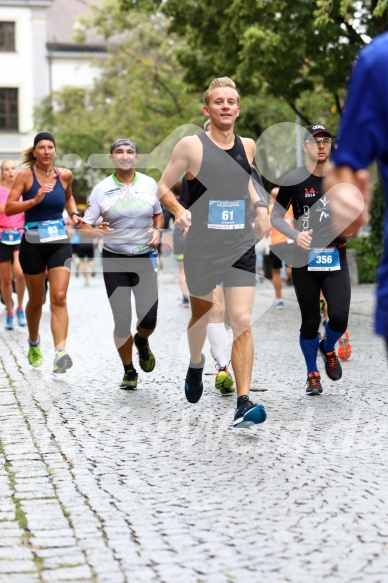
(319, 259)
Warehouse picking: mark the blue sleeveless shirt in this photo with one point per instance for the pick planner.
(52, 205)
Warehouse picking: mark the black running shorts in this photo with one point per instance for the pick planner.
(281, 253)
(204, 273)
(85, 250)
(35, 257)
(7, 251)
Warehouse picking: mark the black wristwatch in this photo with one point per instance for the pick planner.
(261, 203)
(74, 213)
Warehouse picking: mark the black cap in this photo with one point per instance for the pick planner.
(314, 129)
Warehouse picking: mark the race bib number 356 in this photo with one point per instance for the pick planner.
(324, 259)
(226, 214)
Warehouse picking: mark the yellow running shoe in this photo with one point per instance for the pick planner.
(62, 362)
(224, 381)
(35, 356)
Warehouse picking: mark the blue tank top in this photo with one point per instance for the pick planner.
(52, 205)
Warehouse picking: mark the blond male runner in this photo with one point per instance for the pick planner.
(220, 241)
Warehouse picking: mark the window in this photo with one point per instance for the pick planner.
(9, 109)
(7, 37)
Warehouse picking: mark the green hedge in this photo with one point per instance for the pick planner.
(367, 260)
(369, 247)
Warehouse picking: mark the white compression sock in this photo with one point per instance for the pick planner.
(219, 345)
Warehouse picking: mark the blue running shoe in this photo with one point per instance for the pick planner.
(248, 414)
(193, 383)
(21, 317)
(9, 325)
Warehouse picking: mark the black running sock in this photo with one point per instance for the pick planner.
(241, 400)
(141, 341)
(128, 367)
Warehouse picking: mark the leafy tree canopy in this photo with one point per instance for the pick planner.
(287, 48)
(140, 92)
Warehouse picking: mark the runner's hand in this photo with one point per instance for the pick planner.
(42, 191)
(304, 239)
(183, 221)
(102, 230)
(77, 221)
(262, 223)
(155, 237)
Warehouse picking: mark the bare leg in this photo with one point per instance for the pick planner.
(197, 328)
(124, 348)
(277, 283)
(59, 282)
(35, 287)
(20, 281)
(182, 279)
(6, 284)
(144, 332)
(240, 303)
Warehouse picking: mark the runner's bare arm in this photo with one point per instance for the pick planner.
(70, 205)
(92, 232)
(250, 148)
(155, 232)
(178, 165)
(262, 223)
(13, 205)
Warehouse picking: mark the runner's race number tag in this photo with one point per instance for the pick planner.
(11, 237)
(226, 214)
(324, 259)
(50, 231)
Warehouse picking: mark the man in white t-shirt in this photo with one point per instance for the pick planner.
(132, 218)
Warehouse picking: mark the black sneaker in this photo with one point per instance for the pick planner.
(313, 384)
(146, 358)
(332, 364)
(129, 380)
(247, 413)
(193, 383)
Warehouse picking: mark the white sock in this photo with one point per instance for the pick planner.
(219, 345)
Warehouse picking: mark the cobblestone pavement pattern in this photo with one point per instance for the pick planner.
(108, 486)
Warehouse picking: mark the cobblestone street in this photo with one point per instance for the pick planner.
(109, 486)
